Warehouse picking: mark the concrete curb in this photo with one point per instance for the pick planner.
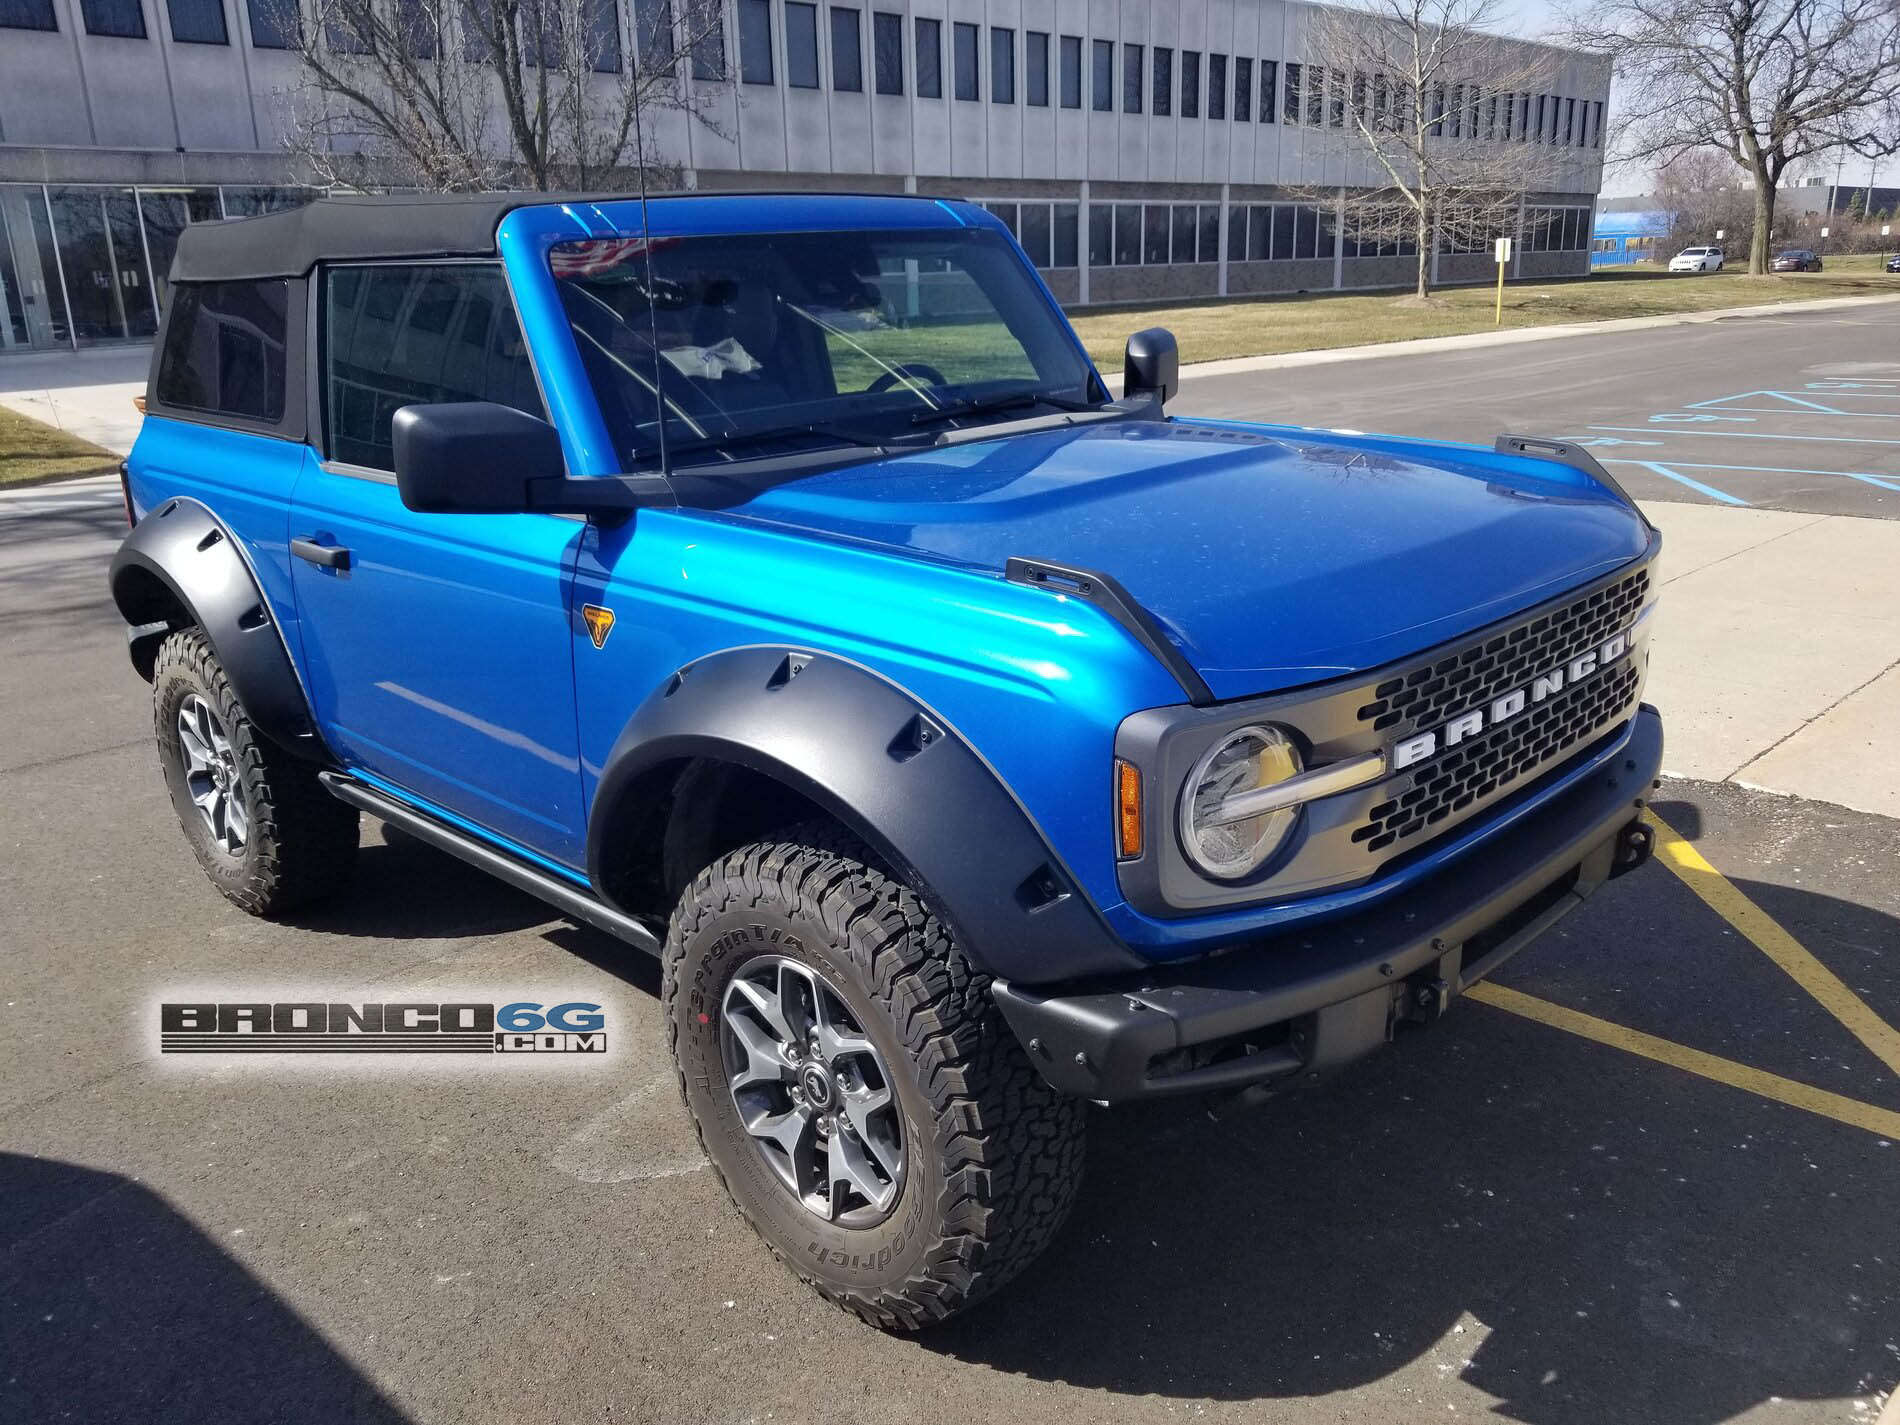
(1237, 365)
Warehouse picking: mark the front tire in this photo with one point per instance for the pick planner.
(266, 833)
(856, 1088)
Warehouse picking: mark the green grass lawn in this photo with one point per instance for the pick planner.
(1213, 329)
(32, 452)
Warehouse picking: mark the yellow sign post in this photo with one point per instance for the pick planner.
(1503, 250)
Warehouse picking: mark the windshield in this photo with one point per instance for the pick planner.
(783, 340)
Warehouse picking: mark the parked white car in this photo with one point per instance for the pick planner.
(1697, 259)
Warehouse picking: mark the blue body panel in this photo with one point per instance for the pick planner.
(450, 664)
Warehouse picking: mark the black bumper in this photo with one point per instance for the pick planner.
(1310, 1000)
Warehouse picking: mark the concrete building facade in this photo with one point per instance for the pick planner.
(1140, 151)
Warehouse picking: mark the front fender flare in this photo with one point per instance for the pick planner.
(898, 776)
(180, 564)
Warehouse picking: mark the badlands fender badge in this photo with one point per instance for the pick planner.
(600, 623)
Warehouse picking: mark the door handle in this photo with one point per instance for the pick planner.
(330, 556)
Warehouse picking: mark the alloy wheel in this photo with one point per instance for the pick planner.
(211, 775)
(813, 1091)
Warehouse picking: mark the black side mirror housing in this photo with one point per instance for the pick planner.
(472, 457)
(1151, 365)
(478, 457)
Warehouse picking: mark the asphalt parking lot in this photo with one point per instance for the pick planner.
(1650, 1176)
(1786, 411)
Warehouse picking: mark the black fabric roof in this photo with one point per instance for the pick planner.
(356, 227)
(286, 244)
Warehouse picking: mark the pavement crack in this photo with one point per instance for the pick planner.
(1749, 549)
(60, 757)
(1809, 722)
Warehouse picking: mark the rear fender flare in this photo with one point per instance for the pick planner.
(894, 773)
(181, 565)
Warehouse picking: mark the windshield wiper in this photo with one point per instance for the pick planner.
(995, 404)
(816, 430)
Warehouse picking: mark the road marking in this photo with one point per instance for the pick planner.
(1754, 435)
(1767, 936)
(1682, 479)
(1838, 1107)
(1783, 395)
(1880, 480)
(1821, 411)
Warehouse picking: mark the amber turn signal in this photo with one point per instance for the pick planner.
(1128, 807)
(138, 404)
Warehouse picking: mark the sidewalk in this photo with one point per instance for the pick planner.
(85, 393)
(1777, 652)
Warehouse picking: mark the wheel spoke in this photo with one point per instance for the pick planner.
(237, 820)
(837, 1036)
(764, 1057)
(793, 1134)
(850, 1171)
(197, 754)
(863, 1107)
(767, 1006)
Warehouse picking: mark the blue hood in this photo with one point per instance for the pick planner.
(1273, 556)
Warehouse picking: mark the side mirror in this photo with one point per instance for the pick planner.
(473, 457)
(1151, 365)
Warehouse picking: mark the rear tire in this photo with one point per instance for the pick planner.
(266, 833)
(969, 1163)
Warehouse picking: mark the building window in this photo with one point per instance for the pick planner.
(929, 59)
(1570, 121)
(1154, 233)
(1128, 234)
(1217, 86)
(1269, 84)
(1243, 90)
(1597, 128)
(964, 38)
(269, 29)
(801, 45)
(1066, 252)
(708, 47)
(1036, 69)
(1164, 81)
(1101, 226)
(755, 41)
(1291, 110)
(28, 15)
(847, 50)
(1184, 227)
(1190, 84)
(1134, 61)
(1102, 77)
(1336, 98)
(122, 19)
(1071, 72)
(1002, 65)
(887, 51)
(199, 22)
(653, 32)
(1033, 233)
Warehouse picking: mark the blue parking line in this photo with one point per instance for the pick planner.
(1709, 490)
(1751, 435)
(1860, 475)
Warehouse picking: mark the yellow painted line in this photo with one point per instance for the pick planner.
(1850, 1111)
(1777, 944)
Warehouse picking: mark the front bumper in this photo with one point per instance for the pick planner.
(1313, 999)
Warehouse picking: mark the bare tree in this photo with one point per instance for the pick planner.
(1450, 114)
(1703, 193)
(467, 95)
(1767, 82)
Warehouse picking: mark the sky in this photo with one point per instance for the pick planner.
(1535, 18)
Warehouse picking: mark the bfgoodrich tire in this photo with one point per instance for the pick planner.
(262, 827)
(855, 1087)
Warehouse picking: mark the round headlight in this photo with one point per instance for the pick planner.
(1247, 758)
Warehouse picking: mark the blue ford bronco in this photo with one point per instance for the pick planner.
(773, 583)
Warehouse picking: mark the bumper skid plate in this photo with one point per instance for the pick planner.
(1316, 998)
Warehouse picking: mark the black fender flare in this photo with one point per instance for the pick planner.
(894, 773)
(181, 565)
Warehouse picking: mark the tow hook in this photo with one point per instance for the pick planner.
(1635, 844)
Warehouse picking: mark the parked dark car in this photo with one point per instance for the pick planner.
(1893, 263)
(1796, 259)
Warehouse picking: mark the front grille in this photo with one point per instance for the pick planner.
(1476, 768)
(1472, 676)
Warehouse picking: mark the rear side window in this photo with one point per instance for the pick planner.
(395, 336)
(224, 350)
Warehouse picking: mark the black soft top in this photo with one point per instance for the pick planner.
(354, 227)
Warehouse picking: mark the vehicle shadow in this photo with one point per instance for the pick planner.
(1582, 1234)
(114, 1307)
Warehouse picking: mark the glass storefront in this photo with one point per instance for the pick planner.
(86, 265)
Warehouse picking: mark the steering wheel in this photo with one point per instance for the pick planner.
(922, 370)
